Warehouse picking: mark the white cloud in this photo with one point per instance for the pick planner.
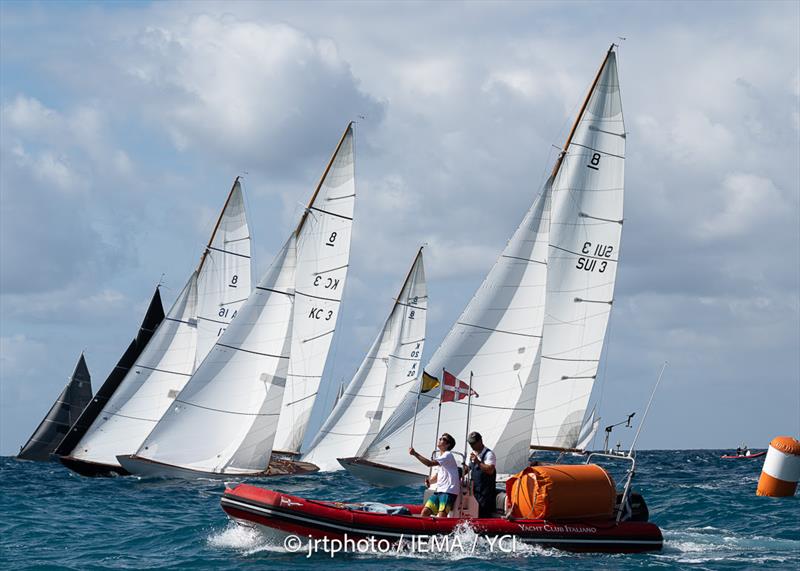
(745, 200)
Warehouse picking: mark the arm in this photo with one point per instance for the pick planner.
(421, 458)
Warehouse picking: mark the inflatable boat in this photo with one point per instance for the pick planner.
(743, 456)
(280, 515)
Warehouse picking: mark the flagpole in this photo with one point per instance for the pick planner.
(469, 404)
(416, 407)
(439, 414)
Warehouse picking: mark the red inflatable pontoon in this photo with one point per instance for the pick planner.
(280, 514)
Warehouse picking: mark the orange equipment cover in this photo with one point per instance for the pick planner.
(562, 492)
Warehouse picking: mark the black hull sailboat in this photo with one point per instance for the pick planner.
(64, 412)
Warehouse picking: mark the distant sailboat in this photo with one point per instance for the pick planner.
(64, 412)
(205, 306)
(389, 370)
(225, 420)
(152, 319)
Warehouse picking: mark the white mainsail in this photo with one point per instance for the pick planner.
(389, 370)
(497, 338)
(164, 367)
(225, 419)
(323, 257)
(584, 250)
(237, 390)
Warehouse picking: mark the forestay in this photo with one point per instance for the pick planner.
(323, 256)
(496, 338)
(583, 255)
(389, 370)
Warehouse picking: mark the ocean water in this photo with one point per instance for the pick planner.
(52, 518)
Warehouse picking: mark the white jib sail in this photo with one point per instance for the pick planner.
(323, 255)
(588, 431)
(584, 250)
(224, 282)
(180, 343)
(234, 397)
(388, 372)
(497, 338)
(149, 387)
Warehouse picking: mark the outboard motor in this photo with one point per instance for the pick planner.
(636, 510)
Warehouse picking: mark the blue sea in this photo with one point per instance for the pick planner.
(54, 519)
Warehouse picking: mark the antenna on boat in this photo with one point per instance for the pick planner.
(644, 416)
(609, 428)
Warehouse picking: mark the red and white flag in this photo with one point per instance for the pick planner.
(454, 389)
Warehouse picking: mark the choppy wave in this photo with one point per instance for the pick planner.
(706, 507)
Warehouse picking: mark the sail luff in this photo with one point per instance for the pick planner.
(582, 110)
(216, 226)
(313, 198)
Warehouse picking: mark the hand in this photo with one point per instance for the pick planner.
(427, 482)
(473, 457)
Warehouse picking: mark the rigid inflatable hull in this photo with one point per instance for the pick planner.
(280, 514)
(743, 456)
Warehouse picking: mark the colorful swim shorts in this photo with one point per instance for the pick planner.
(441, 502)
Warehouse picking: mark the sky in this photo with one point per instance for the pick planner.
(123, 125)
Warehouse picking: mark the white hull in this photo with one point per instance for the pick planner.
(383, 476)
(148, 469)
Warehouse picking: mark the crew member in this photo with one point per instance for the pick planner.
(483, 473)
(446, 480)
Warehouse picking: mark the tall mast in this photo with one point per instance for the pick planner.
(322, 179)
(216, 226)
(560, 159)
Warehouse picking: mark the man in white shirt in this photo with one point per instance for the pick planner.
(447, 482)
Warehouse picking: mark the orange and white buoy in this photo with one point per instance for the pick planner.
(781, 468)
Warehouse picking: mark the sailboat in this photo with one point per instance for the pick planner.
(497, 339)
(500, 343)
(533, 332)
(389, 370)
(225, 420)
(152, 319)
(64, 412)
(583, 258)
(203, 309)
